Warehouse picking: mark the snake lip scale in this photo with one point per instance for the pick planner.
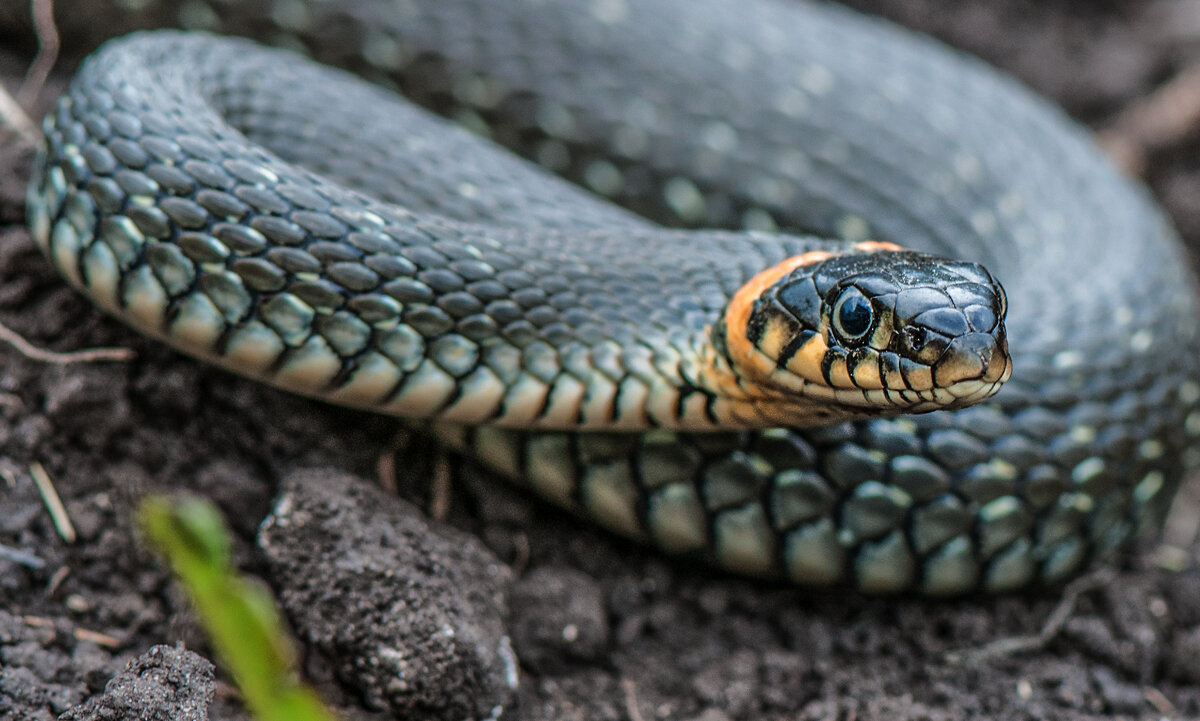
(804, 399)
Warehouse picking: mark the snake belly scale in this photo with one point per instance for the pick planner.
(291, 223)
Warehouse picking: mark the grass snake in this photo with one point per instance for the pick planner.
(725, 394)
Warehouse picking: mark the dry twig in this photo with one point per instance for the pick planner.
(631, 703)
(100, 639)
(1159, 701)
(56, 581)
(80, 634)
(385, 470)
(21, 558)
(47, 54)
(439, 496)
(1050, 629)
(14, 117)
(54, 504)
(32, 352)
(1159, 120)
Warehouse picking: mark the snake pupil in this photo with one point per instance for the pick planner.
(852, 315)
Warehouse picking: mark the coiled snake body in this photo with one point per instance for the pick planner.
(294, 224)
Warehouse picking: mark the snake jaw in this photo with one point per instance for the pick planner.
(872, 330)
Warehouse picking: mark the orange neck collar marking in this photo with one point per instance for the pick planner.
(743, 353)
(747, 359)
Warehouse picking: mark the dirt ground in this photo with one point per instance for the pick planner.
(404, 617)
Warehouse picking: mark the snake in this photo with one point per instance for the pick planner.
(771, 285)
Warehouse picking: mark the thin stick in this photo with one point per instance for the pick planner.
(54, 504)
(1159, 120)
(439, 496)
(523, 553)
(1159, 701)
(80, 634)
(631, 702)
(21, 558)
(57, 580)
(14, 116)
(47, 54)
(1050, 629)
(100, 639)
(8, 472)
(91, 355)
(385, 468)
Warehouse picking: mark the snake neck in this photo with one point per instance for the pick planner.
(725, 398)
(717, 392)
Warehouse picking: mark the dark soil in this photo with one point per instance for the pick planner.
(603, 629)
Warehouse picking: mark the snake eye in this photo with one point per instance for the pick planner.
(852, 314)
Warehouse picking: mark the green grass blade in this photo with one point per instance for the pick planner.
(239, 615)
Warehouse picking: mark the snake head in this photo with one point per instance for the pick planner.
(874, 330)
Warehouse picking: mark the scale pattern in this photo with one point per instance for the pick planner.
(373, 228)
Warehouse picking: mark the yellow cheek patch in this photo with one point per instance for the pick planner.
(748, 359)
(806, 362)
(839, 374)
(774, 338)
(866, 372)
(883, 329)
(894, 379)
(919, 378)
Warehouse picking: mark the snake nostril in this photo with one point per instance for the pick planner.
(915, 337)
